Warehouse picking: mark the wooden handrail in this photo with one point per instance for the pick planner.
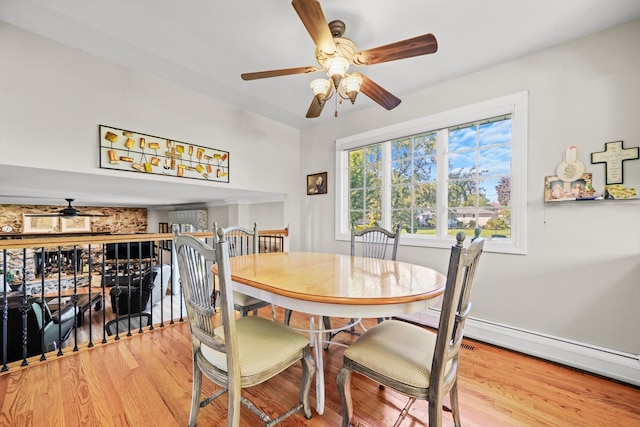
(53, 240)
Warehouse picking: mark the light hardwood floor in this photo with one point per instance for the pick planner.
(145, 380)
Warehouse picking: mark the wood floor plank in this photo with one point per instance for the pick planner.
(146, 380)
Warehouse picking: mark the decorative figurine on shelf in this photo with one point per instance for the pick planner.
(570, 169)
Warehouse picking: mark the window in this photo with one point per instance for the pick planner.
(438, 175)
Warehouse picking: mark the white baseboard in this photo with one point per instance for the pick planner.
(613, 364)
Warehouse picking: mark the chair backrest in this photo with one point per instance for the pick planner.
(35, 315)
(376, 242)
(196, 259)
(242, 241)
(455, 310)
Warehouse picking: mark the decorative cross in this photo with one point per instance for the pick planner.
(173, 156)
(613, 156)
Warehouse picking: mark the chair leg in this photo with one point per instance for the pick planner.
(455, 407)
(435, 412)
(233, 410)
(195, 394)
(326, 322)
(344, 389)
(308, 371)
(287, 316)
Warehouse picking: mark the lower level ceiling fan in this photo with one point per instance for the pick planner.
(68, 212)
(335, 54)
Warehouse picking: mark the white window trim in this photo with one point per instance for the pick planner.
(516, 105)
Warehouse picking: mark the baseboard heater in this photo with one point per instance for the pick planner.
(609, 363)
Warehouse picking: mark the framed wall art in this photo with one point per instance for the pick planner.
(141, 153)
(317, 183)
(75, 225)
(37, 224)
(556, 189)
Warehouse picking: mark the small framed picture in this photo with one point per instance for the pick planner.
(317, 184)
(75, 225)
(40, 224)
(557, 189)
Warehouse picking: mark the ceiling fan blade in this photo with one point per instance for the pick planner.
(416, 46)
(42, 215)
(311, 15)
(315, 108)
(277, 73)
(379, 94)
(92, 215)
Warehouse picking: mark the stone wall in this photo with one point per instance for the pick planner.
(119, 221)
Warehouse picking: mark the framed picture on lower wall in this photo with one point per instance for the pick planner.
(40, 224)
(75, 225)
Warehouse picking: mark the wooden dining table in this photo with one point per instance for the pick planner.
(326, 284)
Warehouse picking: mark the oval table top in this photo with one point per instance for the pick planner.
(337, 279)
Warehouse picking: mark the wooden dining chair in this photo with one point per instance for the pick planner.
(233, 353)
(243, 241)
(413, 360)
(371, 242)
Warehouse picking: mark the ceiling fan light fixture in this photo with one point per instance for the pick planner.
(336, 68)
(351, 85)
(321, 89)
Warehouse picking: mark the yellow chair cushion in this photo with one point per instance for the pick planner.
(262, 343)
(398, 350)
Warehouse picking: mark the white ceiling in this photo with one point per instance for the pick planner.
(206, 44)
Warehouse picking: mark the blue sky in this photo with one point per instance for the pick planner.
(494, 160)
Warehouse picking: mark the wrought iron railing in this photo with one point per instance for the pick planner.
(62, 284)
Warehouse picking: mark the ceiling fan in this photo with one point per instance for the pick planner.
(335, 53)
(68, 212)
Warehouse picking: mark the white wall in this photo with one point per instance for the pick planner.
(580, 280)
(53, 98)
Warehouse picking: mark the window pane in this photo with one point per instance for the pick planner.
(401, 149)
(424, 169)
(374, 199)
(462, 138)
(425, 195)
(401, 196)
(356, 178)
(426, 219)
(497, 132)
(503, 191)
(373, 218)
(488, 192)
(356, 200)
(495, 161)
(462, 192)
(356, 158)
(401, 172)
(373, 176)
(373, 154)
(356, 218)
(402, 217)
(424, 145)
(500, 224)
(462, 163)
